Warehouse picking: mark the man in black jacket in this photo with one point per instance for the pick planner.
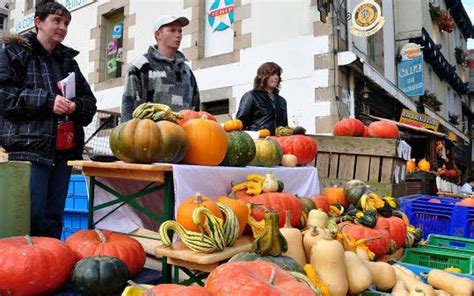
(32, 111)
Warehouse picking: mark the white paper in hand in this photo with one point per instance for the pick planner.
(68, 86)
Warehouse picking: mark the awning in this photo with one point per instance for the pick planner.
(447, 124)
(410, 127)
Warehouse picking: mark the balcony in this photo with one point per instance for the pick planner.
(461, 18)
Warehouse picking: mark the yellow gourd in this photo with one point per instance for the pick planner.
(383, 275)
(313, 277)
(450, 283)
(294, 239)
(362, 254)
(399, 289)
(412, 283)
(358, 276)
(311, 237)
(327, 258)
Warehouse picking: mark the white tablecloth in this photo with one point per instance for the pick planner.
(189, 179)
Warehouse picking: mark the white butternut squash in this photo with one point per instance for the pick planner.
(294, 239)
(383, 275)
(362, 254)
(450, 283)
(412, 283)
(417, 292)
(317, 218)
(311, 237)
(399, 289)
(327, 259)
(441, 293)
(358, 276)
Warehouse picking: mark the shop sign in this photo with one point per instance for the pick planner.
(221, 15)
(367, 19)
(410, 76)
(27, 22)
(420, 120)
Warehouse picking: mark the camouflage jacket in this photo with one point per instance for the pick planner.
(154, 78)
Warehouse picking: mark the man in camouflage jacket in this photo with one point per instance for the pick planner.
(161, 75)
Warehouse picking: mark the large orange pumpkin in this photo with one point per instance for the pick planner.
(207, 142)
(302, 146)
(321, 202)
(177, 290)
(33, 265)
(137, 140)
(86, 243)
(240, 209)
(184, 215)
(254, 278)
(424, 165)
(380, 246)
(395, 227)
(349, 127)
(190, 114)
(383, 129)
(335, 195)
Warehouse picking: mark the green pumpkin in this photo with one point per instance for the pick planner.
(355, 193)
(351, 184)
(285, 262)
(307, 205)
(240, 149)
(100, 275)
(268, 153)
(281, 186)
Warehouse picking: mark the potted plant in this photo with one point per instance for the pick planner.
(453, 118)
(441, 18)
(431, 100)
(462, 57)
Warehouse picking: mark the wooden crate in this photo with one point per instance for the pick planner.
(372, 160)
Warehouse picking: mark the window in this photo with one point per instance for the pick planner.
(375, 44)
(216, 107)
(3, 22)
(30, 4)
(114, 46)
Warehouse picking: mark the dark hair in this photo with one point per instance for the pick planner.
(263, 73)
(46, 7)
(470, 179)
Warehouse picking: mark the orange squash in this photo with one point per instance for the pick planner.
(184, 215)
(233, 125)
(263, 133)
(411, 165)
(424, 165)
(469, 202)
(207, 142)
(383, 129)
(240, 209)
(335, 195)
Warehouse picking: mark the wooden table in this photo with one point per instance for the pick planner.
(200, 263)
(153, 173)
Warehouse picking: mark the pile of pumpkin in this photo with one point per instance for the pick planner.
(157, 134)
(352, 127)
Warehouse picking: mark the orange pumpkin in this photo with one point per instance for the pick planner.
(424, 165)
(207, 142)
(233, 125)
(240, 209)
(335, 195)
(191, 114)
(254, 278)
(469, 202)
(174, 289)
(349, 127)
(184, 215)
(263, 133)
(383, 129)
(411, 165)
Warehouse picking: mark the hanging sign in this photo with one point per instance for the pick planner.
(410, 70)
(367, 19)
(419, 120)
(221, 15)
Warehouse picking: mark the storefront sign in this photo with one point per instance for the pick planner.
(410, 76)
(420, 120)
(27, 22)
(221, 15)
(367, 19)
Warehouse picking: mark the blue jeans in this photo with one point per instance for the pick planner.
(48, 186)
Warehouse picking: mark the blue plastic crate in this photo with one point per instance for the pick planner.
(439, 218)
(76, 199)
(73, 222)
(418, 270)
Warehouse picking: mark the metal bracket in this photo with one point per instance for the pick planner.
(342, 16)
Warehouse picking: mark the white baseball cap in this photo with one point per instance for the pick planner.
(168, 19)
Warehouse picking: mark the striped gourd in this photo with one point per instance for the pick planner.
(212, 225)
(198, 242)
(231, 224)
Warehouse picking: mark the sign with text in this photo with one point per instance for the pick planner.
(419, 120)
(410, 76)
(27, 22)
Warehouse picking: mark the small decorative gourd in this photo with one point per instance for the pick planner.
(270, 184)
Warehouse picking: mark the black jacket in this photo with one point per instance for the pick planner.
(28, 87)
(257, 111)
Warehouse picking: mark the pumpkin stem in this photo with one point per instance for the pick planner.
(148, 291)
(101, 235)
(29, 239)
(198, 198)
(267, 137)
(287, 219)
(315, 231)
(372, 238)
(272, 277)
(204, 116)
(233, 195)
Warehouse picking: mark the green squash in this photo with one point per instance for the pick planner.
(281, 186)
(307, 205)
(285, 262)
(351, 184)
(355, 193)
(268, 153)
(240, 149)
(100, 275)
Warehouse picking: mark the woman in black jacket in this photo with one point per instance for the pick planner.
(32, 108)
(263, 107)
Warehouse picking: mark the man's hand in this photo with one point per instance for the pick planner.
(63, 106)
